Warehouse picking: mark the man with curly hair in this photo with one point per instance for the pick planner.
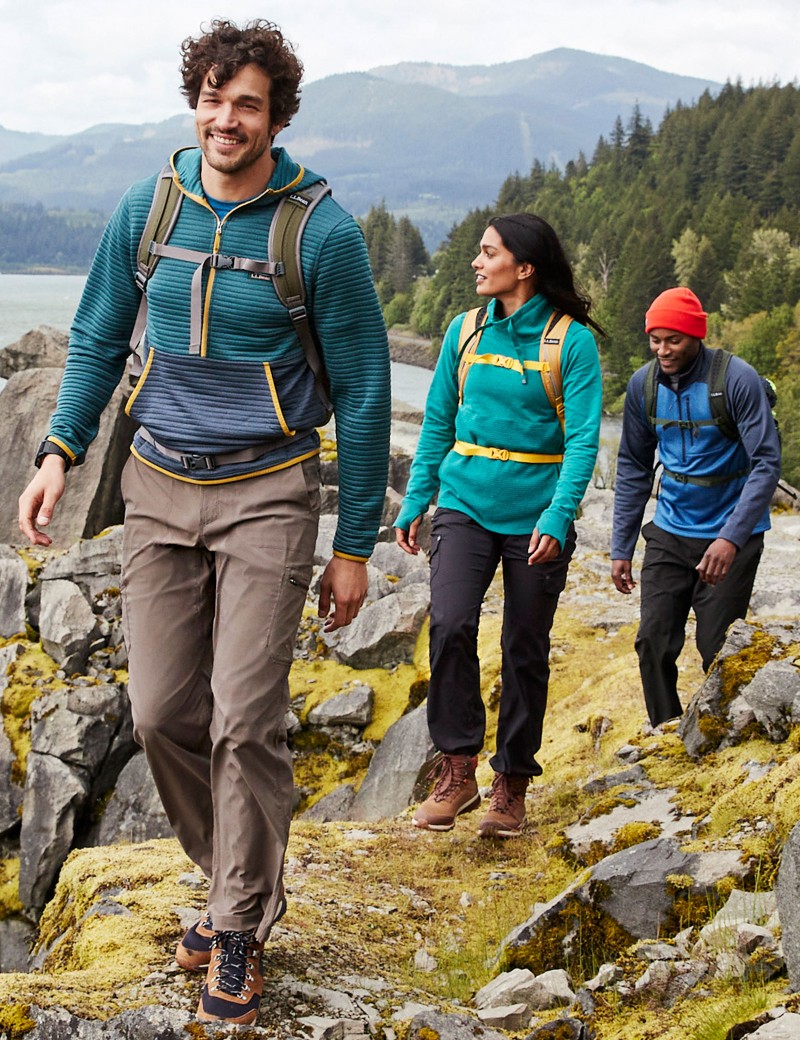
(222, 490)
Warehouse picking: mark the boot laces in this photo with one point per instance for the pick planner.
(505, 792)
(233, 975)
(452, 774)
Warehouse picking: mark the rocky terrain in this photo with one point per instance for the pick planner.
(654, 893)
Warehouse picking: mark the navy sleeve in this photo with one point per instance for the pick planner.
(751, 412)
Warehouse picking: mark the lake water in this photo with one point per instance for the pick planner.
(28, 300)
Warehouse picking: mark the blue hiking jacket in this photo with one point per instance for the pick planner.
(734, 509)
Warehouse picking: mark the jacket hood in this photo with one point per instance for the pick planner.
(287, 175)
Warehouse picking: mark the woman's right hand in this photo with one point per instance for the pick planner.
(407, 540)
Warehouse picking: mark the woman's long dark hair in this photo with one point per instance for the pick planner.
(531, 240)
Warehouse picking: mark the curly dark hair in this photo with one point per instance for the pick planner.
(226, 49)
(531, 239)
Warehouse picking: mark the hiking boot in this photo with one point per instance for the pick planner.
(194, 949)
(455, 792)
(506, 814)
(235, 979)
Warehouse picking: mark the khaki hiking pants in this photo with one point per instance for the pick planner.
(214, 582)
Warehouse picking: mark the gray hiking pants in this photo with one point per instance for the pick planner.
(214, 582)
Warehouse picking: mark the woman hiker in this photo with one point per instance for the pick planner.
(510, 472)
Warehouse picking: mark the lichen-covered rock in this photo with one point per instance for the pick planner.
(147, 1023)
(443, 1026)
(67, 624)
(385, 632)
(628, 895)
(134, 812)
(55, 794)
(396, 768)
(93, 564)
(787, 892)
(13, 589)
(78, 724)
(749, 685)
(351, 707)
(10, 791)
(338, 805)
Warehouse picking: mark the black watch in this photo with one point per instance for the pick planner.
(51, 448)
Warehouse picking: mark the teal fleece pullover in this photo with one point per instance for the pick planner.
(244, 325)
(505, 408)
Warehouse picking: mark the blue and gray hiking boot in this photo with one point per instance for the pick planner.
(235, 980)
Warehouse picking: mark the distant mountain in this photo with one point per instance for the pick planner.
(14, 143)
(432, 141)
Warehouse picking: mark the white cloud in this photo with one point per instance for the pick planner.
(70, 64)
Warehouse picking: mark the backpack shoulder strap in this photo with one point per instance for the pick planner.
(651, 392)
(550, 347)
(717, 399)
(164, 209)
(283, 248)
(468, 339)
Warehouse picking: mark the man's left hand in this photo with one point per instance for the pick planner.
(716, 562)
(344, 581)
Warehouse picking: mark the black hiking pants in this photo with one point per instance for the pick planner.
(670, 589)
(464, 558)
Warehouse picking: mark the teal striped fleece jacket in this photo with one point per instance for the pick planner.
(250, 383)
(505, 406)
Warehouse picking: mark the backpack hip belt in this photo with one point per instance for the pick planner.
(503, 454)
(193, 461)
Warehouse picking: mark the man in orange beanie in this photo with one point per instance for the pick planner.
(720, 468)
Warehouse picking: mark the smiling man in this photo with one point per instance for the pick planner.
(222, 490)
(708, 415)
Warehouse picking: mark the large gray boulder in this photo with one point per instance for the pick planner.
(787, 892)
(752, 683)
(385, 632)
(444, 1026)
(134, 812)
(55, 795)
(626, 896)
(42, 347)
(67, 624)
(92, 500)
(94, 564)
(396, 769)
(78, 725)
(13, 589)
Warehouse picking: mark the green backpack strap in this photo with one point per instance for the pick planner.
(285, 238)
(550, 347)
(164, 209)
(651, 392)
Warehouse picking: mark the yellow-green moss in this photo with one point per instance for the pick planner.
(9, 888)
(15, 1020)
(30, 675)
(634, 833)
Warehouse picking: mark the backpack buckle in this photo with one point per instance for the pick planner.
(195, 462)
(220, 262)
(499, 453)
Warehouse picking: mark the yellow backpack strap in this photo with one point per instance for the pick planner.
(555, 332)
(468, 339)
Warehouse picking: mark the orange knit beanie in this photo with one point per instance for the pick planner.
(679, 310)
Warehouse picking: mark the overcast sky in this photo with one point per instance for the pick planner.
(69, 64)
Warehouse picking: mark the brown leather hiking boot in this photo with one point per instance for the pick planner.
(235, 979)
(455, 792)
(506, 814)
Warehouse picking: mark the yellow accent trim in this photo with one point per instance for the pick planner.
(274, 394)
(140, 381)
(503, 454)
(64, 447)
(347, 556)
(225, 480)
